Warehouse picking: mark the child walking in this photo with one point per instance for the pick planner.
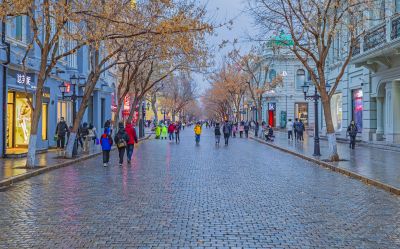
(106, 144)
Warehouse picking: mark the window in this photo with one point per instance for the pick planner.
(357, 105)
(44, 120)
(103, 111)
(397, 6)
(64, 109)
(272, 75)
(337, 111)
(17, 28)
(300, 78)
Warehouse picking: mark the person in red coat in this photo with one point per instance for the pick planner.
(130, 130)
(171, 131)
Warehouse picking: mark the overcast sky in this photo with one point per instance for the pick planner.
(221, 11)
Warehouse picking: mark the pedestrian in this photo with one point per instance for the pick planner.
(269, 134)
(106, 144)
(171, 130)
(85, 136)
(121, 140)
(295, 129)
(177, 131)
(226, 130)
(289, 127)
(197, 132)
(256, 128)
(164, 132)
(301, 129)
(241, 129)
(130, 130)
(234, 130)
(61, 131)
(183, 125)
(158, 131)
(246, 129)
(352, 131)
(217, 132)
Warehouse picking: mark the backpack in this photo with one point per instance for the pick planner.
(225, 129)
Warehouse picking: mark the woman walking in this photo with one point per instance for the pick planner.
(121, 140)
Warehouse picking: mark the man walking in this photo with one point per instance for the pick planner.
(246, 129)
(295, 129)
(217, 132)
(352, 131)
(257, 127)
(61, 131)
(227, 132)
(289, 127)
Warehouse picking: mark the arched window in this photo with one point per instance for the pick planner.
(272, 74)
(300, 78)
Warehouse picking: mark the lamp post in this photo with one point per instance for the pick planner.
(67, 88)
(163, 111)
(315, 97)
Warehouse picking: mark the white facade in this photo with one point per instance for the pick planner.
(370, 88)
(287, 100)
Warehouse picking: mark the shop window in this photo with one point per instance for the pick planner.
(337, 111)
(301, 112)
(300, 78)
(64, 109)
(45, 116)
(22, 122)
(357, 106)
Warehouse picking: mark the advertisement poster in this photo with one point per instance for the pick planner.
(22, 120)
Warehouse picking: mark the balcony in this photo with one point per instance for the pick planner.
(377, 45)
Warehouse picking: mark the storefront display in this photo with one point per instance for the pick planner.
(301, 112)
(18, 120)
(337, 111)
(357, 97)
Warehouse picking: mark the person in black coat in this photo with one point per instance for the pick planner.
(217, 132)
(352, 131)
(61, 131)
(121, 140)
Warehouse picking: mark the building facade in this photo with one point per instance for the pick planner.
(287, 100)
(18, 88)
(369, 92)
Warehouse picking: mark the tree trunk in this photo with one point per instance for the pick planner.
(119, 106)
(154, 108)
(133, 109)
(90, 84)
(330, 130)
(36, 113)
(173, 113)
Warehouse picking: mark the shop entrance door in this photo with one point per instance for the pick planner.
(271, 118)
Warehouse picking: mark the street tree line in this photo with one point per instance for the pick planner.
(145, 42)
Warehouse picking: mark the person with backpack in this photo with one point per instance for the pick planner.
(300, 130)
(295, 129)
(130, 130)
(352, 131)
(121, 140)
(226, 129)
(217, 132)
(84, 134)
(197, 132)
(106, 144)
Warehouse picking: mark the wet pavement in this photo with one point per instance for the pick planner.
(374, 163)
(245, 195)
(10, 167)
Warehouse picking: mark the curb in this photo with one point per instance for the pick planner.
(333, 168)
(18, 178)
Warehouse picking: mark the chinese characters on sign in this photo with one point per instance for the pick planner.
(25, 80)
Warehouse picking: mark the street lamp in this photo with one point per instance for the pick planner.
(67, 88)
(164, 111)
(315, 97)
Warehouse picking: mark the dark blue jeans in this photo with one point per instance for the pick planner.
(129, 151)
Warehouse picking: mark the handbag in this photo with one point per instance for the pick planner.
(121, 143)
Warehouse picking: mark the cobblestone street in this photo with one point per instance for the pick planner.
(246, 195)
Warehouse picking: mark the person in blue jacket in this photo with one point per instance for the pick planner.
(106, 144)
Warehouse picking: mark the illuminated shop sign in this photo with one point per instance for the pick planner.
(26, 80)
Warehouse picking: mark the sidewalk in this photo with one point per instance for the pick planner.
(13, 169)
(375, 166)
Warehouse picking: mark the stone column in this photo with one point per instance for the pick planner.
(379, 118)
(392, 117)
